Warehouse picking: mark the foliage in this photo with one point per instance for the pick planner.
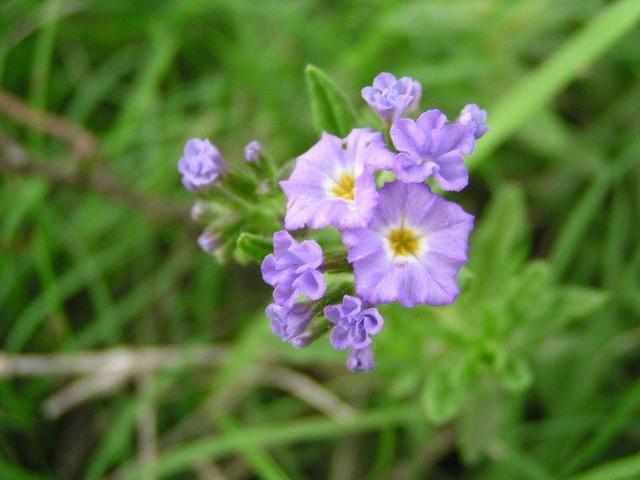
(530, 374)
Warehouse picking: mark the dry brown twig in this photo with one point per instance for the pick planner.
(103, 372)
(83, 144)
(87, 171)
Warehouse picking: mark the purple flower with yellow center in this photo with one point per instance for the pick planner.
(289, 323)
(201, 164)
(252, 152)
(353, 323)
(430, 146)
(413, 248)
(333, 182)
(360, 360)
(476, 118)
(293, 269)
(390, 97)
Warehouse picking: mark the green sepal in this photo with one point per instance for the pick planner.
(257, 246)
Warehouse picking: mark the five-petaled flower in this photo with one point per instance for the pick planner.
(430, 146)
(333, 182)
(201, 164)
(293, 269)
(412, 249)
(390, 97)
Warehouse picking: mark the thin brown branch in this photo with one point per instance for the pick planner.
(209, 471)
(308, 390)
(80, 391)
(146, 421)
(123, 361)
(14, 159)
(82, 142)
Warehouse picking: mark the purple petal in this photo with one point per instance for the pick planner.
(408, 137)
(308, 254)
(339, 337)
(358, 338)
(270, 274)
(311, 283)
(410, 169)
(384, 80)
(372, 320)
(451, 174)
(431, 120)
(350, 305)
(282, 241)
(332, 312)
(285, 294)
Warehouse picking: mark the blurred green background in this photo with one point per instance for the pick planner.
(532, 374)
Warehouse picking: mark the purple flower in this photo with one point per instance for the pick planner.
(476, 118)
(208, 241)
(200, 165)
(252, 152)
(431, 146)
(290, 323)
(390, 98)
(292, 269)
(333, 183)
(413, 248)
(353, 324)
(360, 360)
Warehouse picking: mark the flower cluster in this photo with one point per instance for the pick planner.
(404, 242)
(401, 242)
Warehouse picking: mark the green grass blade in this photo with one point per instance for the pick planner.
(180, 458)
(543, 83)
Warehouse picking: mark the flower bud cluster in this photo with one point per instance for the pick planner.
(229, 201)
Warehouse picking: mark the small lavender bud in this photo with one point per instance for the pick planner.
(252, 152)
(209, 242)
(360, 360)
(391, 97)
(202, 211)
(302, 340)
(476, 118)
(289, 323)
(201, 165)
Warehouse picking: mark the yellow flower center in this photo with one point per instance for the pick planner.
(344, 187)
(403, 241)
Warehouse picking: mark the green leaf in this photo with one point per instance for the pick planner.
(441, 398)
(578, 302)
(497, 246)
(540, 85)
(515, 373)
(332, 111)
(257, 246)
(481, 420)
